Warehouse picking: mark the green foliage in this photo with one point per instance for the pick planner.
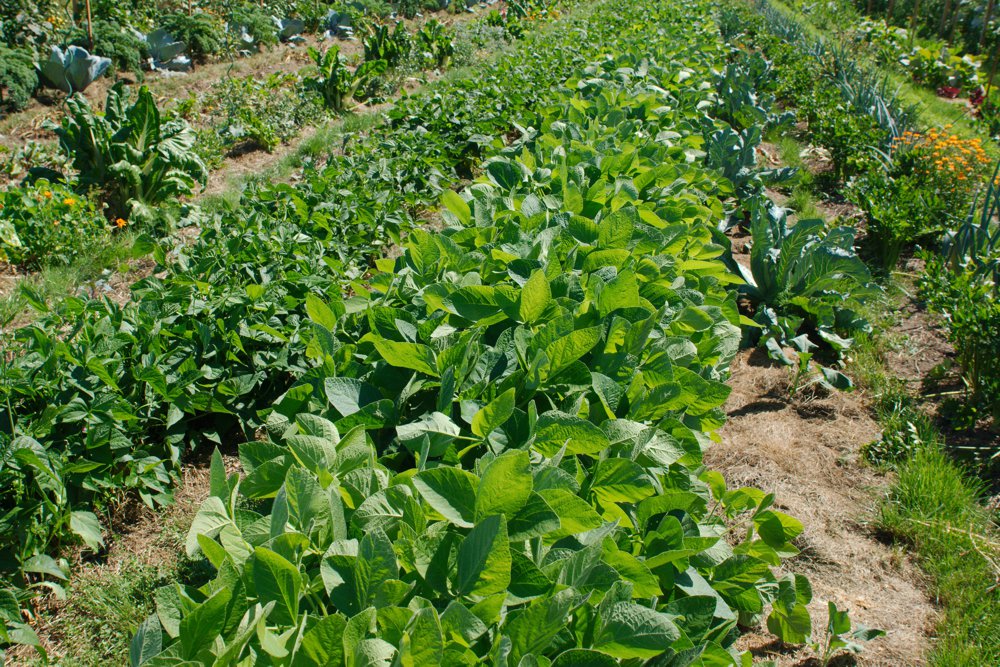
(126, 50)
(392, 46)
(202, 33)
(805, 279)
(900, 211)
(842, 636)
(253, 112)
(934, 508)
(743, 97)
(435, 41)
(252, 28)
(971, 310)
(134, 158)
(734, 154)
(337, 84)
(71, 70)
(48, 223)
(18, 79)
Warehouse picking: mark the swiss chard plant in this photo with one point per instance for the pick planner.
(335, 82)
(805, 279)
(132, 156)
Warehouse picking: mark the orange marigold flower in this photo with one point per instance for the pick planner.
(69, 201)
(47, 194)
(120, 223)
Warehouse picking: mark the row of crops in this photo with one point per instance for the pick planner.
(497, 454)
(488, 447)
(64, 46)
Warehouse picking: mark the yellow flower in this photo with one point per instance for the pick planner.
(47, 194)
(120, 223)
(69, 201)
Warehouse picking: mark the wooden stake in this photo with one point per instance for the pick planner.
(913, 21)
(986, 23)
(90, 27)
(944, 16)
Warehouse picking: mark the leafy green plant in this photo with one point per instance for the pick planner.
(842, 636)
(166, 53)
(252, 29)
(136, 160)
(335, 82)
(393, 46)
(807, 279)
(969, 304)
(974, 244)
(72, 70)
(48, 223)
(249, 112)
(202, 33)
(743, 100)
(127, 50)
(734, 154)
(18, 78)
(899, 212)
(435, 41)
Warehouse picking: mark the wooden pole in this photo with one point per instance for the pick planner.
(913, 21)
(889, 11)
(986, 23)
(944, 16)
(90, 27)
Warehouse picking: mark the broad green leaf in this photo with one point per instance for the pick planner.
(87, 528)
(532, 629)
(535, 297)
(320, 313)
(629, 631)
(575, 514)
(622, 292)
(484, 559)
(147, 642)
(555, 429)
(277, 580)
(564, 351)
(494, 414)
(423, 643)
(621, 481)
(413, 356)
(451, 492)
(457, 206)
(200, 627)
(349, 395)
(581, 657)
(211, 518)
(777, 529)
(505, 485)
(323, 643)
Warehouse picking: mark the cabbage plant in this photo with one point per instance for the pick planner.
(72, 70)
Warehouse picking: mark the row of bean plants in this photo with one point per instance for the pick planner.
(496, 451)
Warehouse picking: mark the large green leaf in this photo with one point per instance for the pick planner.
(484, 559)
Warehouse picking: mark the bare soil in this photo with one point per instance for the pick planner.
(805, 451)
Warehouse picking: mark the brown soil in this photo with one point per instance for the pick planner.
(805, 451)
